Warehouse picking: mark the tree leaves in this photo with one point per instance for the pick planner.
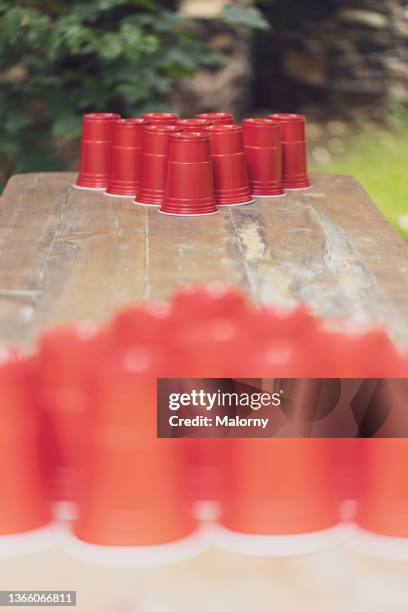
(249, 17)
(61, 58)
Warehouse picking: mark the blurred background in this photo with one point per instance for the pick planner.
(342, 62)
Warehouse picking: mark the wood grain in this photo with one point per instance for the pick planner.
(68, 255)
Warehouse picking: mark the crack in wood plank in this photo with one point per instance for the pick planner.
(355, 281)
(62, 207)
(77, 236)
(246, 258)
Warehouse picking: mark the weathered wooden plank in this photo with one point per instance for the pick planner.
(184, 251)
(96, 260)
(365, 255)
(69, 254)
(31, 208)
(66, 254)
(330, 248)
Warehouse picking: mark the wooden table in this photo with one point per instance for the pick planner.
(67, 254)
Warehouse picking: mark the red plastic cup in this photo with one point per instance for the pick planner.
(362, 353)
(96, 150)
(294, 150)
(126, 157)
(189, 184)
(194, 125)
(346, 456)
(262, 145)
(384, 497)
(204, 347)
(161, 118)
(149, 323)
(218, 118)
(154, 164)
(24, 503)
(213, 300)
(66, 355)
(278, 488)
(134, 490)
(230, 174)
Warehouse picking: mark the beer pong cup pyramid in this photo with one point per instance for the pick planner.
(134, 506)
(276, 496)
(189, 182)
(262, 145)
(193, 125)
(383, 504)
(126, 157)
(161, 118)
(96, 151)
(154, 164)
(294, 151)
(229, 165)
(24, 509)
(217, 118)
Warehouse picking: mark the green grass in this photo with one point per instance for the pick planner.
(379, 160)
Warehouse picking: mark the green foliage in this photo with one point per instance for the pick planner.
(378, 158)
(61, 58)
(248, 17)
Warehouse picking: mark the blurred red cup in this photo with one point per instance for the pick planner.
(346, 456)
(294, 150)
(283, 356)
(213, 300)
(217, 118)
(269, 323)
(66, 354)
(149, 323)
(262, 145)
(383, 508)
(134, 491)
(161, 118)
(189, 183)
(362, 353)
(205, 346)
(24, 503)
(280, 488)
(154, 164)
(96, 151)
(230, 174)
(193, 125)
(208, 348)
(126, 157)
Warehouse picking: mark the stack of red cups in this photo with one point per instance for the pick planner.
(294, 152)
(189, 183)
(96, 151)
(25, 511)
(262, 144)
(154, 164)
(230, 175)
(126, 157)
